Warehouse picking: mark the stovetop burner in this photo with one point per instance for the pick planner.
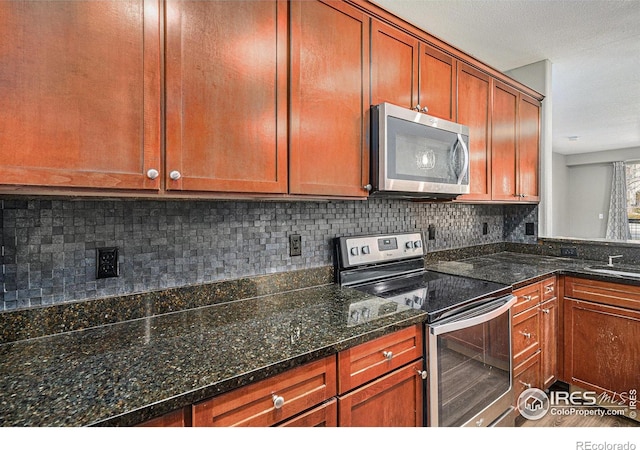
(391, 267)
(439, 295)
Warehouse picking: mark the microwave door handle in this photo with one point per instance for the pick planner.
(465, 153)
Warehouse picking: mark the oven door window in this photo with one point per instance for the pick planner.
(473, 370)
(421, 153)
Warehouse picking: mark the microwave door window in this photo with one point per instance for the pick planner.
(422, 154)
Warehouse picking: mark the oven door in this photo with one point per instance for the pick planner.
(470, 366)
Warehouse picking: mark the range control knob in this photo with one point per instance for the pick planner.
(417, 244)
(354, 251)
(366, 250)
(409, 245)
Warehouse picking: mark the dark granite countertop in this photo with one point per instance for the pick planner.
(520, 269)
(125, 373)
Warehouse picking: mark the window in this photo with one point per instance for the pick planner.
(633, 198)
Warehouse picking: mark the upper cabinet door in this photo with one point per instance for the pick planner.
(226, 96)
(474, 111)
(529, 148)
(329, 99)
(80, 89)
(394, 66)
(437, 83)
(504, 142)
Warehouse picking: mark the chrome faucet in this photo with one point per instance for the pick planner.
(611, 259)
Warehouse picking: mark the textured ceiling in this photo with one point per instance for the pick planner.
(593, 45)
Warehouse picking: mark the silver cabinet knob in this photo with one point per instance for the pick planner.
(527, 335)
(418, 107)
(388, 355)
(278, 402)
(175, 175)
(548, 289)
(526, 298)
(152, 174)
(367, 187)
(425, 110)
(422, 373)
(545, 310)
(527, 385)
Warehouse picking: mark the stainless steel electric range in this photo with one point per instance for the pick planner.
(467, 330)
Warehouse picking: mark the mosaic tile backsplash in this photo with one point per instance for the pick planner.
(49, 245)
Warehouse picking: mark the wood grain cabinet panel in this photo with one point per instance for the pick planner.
(601, 329)
(175, 418)
(329, 86)
(80, 93)
(526, 334)
(526, 375)
(394, 66)
(528, 148)
(325, 415)
(437, 91)
(226, 81)
(474, 111)
(394, 400)
(504, 142)
(301, 388)
(549, 323)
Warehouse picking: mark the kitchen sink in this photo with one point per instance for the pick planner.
(617, 271)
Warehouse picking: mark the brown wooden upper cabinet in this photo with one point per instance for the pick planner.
(474, 111)
(226, 81)
(515, 125)
(329, 87)
(411, 73)
(80, 94)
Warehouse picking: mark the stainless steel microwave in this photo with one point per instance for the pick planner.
(417, 155)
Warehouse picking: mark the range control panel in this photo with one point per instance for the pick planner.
(362, 250)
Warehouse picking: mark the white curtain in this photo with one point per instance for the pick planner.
(618, 221)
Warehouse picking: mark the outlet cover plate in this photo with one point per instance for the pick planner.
(107, 262)
(295, 245)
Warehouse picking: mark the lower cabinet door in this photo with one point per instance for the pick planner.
(325, 415)
(394, 400)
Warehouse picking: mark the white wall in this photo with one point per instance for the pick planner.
(560, 181)
(581, 191)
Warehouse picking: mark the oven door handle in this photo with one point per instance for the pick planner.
(484, 314)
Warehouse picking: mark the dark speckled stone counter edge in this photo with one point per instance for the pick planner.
(32, 323)
(135, 417)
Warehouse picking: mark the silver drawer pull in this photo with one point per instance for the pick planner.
(527, 385)
(527, 335)
(388, 355)
(423, 374)
(548, 289)
(278, 402)
(527, 298)
(545, 310)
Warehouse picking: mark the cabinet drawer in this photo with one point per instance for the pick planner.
(253, 405)
(526, 375)
(549, 289)
(367, 361)
(528, 297)
(525, 335)
(614, 294)
(325, 415)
